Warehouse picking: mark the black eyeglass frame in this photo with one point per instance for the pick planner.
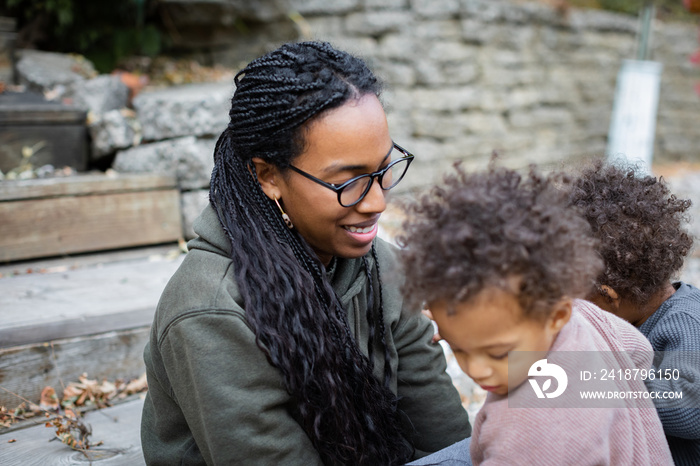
(378, 174)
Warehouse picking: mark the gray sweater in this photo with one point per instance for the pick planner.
(674, 329)
(213, 396)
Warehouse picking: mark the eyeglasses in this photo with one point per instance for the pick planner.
(354, 190)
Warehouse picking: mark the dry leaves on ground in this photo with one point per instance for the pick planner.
(86, 393)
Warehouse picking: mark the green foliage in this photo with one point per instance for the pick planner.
(105, 32)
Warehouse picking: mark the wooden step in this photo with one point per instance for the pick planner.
(58, 216)
(117, 427)
(84, 317)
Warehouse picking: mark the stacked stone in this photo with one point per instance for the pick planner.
(534, 82)
(464, 78)
(171, 131)
(180, 126)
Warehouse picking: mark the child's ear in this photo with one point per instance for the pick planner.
(606, 298)
(559, 316)
(268, 176)
(609, 292)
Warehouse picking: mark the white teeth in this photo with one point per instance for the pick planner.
(360, 230)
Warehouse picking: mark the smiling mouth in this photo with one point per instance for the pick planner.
(352, 229)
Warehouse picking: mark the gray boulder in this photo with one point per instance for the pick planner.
(99, 95)
(192, 109)
(192, 203)
(189, 159)
(44, 71)
(115, 129)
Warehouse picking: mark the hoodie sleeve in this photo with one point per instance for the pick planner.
(232, 398)
(435, 416)
(425, 390)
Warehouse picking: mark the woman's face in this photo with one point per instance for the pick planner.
(346, 142)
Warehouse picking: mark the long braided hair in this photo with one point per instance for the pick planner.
(350, 416)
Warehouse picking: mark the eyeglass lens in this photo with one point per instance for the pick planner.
(355, 191)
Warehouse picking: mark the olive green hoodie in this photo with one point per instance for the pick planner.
(213, 396)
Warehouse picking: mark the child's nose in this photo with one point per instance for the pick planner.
(477, 369)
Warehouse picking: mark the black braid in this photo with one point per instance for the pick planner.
(380, 319)
(350, 416)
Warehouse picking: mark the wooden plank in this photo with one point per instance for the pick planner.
(64, 225)
(58, 145)
(78, 261)
(99, 298)
(26, 370)
(82, 185)
(75, 327)
(118, 427)
(42, 115)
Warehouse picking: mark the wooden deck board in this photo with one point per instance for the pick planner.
(26, 370)
(100, 298)
(82, 185)
(118, 427)
(62, 225)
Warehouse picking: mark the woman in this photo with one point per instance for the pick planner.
(282, 338)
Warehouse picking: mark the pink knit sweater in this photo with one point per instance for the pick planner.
(575, 436)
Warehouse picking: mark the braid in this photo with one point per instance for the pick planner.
(298, 320)
(380, 319)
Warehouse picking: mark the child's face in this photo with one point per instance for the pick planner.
(482, 331)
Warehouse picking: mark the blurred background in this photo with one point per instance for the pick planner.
(109, 112)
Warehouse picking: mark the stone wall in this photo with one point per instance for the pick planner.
(467, 77)
(536, 84)
(463, 78)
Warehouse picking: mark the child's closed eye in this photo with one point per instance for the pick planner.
(499, 356)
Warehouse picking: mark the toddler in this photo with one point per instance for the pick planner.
(642, 241)
(500, 260)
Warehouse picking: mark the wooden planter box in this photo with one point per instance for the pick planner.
(85, 213)
(56, 134)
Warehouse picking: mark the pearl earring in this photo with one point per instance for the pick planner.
(285, 217)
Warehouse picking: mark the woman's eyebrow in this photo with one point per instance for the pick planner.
(335, 167)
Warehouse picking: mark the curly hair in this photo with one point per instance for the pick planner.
(350, 416)
(482, 230)
(639, 224)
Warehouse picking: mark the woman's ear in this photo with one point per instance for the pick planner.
(268, 177)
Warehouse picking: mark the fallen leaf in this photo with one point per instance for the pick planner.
(49, 400)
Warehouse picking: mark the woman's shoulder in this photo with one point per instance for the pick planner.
(204, 283)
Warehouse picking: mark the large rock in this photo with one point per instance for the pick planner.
(43, 71)
(189, 159)
(99, 95)
(192, 109)
(192, 204)
(113, 130)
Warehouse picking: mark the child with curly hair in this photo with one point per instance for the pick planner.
(501, 259)
(640, 225)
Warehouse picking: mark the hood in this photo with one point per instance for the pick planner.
(210, 234)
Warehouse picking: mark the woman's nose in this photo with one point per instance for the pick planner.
(375, 199)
